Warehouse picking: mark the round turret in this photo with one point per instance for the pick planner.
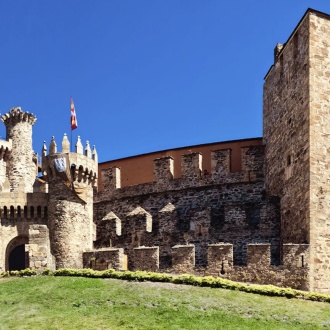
(22, 163)
(71, 177)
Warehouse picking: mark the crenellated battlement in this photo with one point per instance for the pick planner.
(23, 206)
(16, 115)
(292, 271)
(83, 163)
(192, 173)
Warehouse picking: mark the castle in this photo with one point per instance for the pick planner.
(266, 221)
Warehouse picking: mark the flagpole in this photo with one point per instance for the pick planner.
(70, 125)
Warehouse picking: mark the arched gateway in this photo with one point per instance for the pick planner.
(16, 256)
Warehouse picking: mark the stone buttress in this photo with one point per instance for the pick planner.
(71, 178)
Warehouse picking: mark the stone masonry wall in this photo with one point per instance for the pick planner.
(296, 134)
(105, 259)
(197, 209)
(286, 134)
(320, 151)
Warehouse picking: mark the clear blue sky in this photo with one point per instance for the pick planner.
(144, 75)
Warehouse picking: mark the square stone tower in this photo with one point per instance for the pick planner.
(297, 138)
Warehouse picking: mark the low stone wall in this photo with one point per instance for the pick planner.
(293, 273)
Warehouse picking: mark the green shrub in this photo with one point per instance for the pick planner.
(187, 279)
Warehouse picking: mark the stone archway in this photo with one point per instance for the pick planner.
(16, 256)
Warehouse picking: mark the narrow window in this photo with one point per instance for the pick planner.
(39, 211)
(12, 212)
(32, 212)
(19, 213)
(288, 160)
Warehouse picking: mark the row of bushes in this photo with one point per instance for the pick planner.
(206, 281)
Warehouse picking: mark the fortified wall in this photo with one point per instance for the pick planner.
(220, 223)
(265, 222)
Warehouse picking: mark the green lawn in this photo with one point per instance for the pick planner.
(46, 302)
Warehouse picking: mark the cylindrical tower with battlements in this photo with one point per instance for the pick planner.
(71, 178)
(22, 163)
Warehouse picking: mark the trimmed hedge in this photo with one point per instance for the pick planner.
(187, 279)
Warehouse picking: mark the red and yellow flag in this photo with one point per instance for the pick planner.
(74, 123)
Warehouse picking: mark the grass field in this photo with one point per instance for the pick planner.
(46, 302)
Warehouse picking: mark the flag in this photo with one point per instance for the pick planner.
(74, 123)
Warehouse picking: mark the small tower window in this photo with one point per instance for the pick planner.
(289, 160)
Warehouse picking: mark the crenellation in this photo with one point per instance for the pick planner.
(296, 255)
(94, 154)
(139, 220)
(79, 146)
(146, 258)
(110, 178)
(65, 144)
(52, 146)
(111, 258)
(88, 151)
(163, 170)
(191, 166)
(221, 162)
(258, 254)
(253, 162)
(183, 258)
(220, 258)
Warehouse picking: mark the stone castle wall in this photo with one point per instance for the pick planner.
(296, 134)
(197, 209)
(286, 134)
(319, 74)
(267, 223)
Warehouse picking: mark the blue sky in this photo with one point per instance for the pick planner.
(144, 75)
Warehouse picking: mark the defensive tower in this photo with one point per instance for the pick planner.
(71, 177)
(296, 134)
(21, 162)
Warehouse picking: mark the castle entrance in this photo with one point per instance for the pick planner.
(16, 257)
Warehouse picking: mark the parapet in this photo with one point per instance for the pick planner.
(220, 262)
(23, 206)
(16, 115)
(193, 174)
(83, 166)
